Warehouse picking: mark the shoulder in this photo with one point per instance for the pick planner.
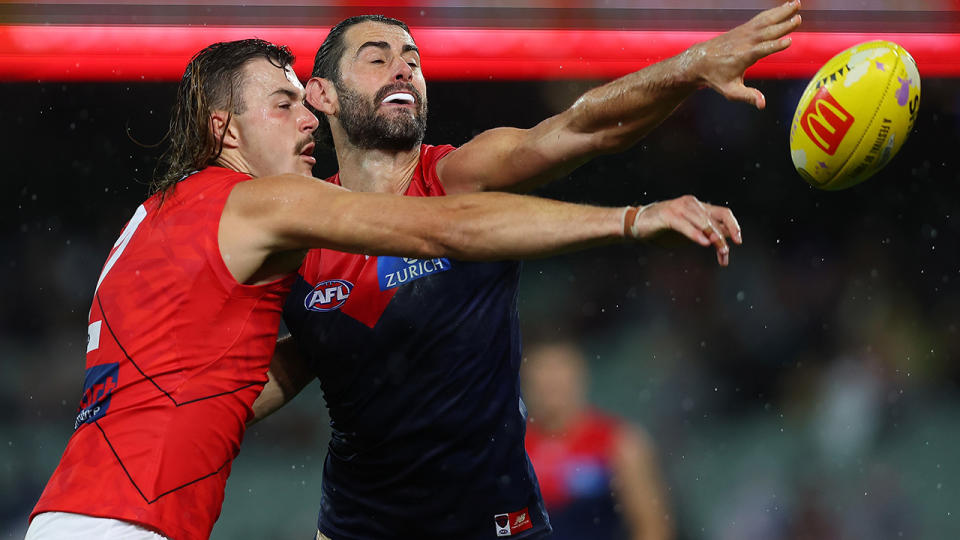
(428, 177)
(214, 175)
(431, 154)
(199, 187)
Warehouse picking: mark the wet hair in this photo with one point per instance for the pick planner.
(327, 63)
(212, 81)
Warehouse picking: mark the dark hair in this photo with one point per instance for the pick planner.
(212, 81)
(327, 63)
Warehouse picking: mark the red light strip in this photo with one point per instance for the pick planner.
(160, 53)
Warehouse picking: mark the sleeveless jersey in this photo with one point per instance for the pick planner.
(575, 472)
(419, 365)
(177, 352)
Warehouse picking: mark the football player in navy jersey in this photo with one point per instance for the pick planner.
(419, 360)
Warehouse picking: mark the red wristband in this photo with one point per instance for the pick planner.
(628, 218)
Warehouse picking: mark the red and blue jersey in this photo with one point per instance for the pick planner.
(419, 364)
(177, 352)
(574, 469)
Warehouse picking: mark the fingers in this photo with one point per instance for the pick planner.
(736, 91)
(777, 14)
(743, 46)
(700, 217)
(719, 242)
(726, 222)
(773, 25)
(777, 31)
(705, 224)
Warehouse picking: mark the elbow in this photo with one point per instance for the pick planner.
(449, 241)
(455, 232)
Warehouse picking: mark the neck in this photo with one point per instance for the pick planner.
(376, 170)
(234, 161)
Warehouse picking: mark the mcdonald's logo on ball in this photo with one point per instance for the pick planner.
(855, 115)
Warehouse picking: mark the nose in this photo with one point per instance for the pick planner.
(307, 122)
(404, 71)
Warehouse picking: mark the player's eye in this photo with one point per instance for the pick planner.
(412, 64)
(285, 105)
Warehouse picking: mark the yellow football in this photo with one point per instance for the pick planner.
(855, 114)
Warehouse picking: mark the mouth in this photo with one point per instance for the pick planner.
(307, 154)
(403, 99)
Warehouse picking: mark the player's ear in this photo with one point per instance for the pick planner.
(223, 129)
(322, 95)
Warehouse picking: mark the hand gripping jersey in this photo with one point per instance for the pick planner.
(574, 471)
(177, 352)
(419, 364)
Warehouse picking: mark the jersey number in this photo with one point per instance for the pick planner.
(122, 242)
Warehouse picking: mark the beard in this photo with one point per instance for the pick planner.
(393, 131)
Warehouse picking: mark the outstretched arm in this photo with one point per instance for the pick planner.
(613, 117)
(486, 228)
(267, 222)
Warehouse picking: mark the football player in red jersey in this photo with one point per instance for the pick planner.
(187, 307)
(598, 474)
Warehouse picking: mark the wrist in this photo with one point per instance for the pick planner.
(687, 68)
(631, 221)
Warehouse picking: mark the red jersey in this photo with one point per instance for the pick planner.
(575, 469)
(177, 352)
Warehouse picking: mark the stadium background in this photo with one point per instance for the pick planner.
(807, 391)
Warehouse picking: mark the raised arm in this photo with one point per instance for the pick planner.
(267, 222)
(613, 117)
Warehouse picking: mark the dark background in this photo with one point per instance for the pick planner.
(809, 390)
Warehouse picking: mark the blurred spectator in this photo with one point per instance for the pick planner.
(598, 475)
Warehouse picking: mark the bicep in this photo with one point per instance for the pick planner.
(516, 160)
(291, 213)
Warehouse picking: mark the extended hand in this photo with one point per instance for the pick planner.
(705, 224)
(721, 61)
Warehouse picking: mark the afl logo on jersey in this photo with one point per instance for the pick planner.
(328, 295)
(98, 386)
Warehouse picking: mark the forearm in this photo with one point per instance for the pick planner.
(271, 398)
(604, 120)
(621, 112)
(288, 375)
(526, 227)
(482, 226)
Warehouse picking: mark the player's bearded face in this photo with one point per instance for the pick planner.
(394, 128)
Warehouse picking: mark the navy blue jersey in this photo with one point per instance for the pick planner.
(419, 364)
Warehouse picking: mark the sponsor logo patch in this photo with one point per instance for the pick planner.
(512, 522)
(825, 121)
(393, 272)
(328, 295)
(98, 386)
